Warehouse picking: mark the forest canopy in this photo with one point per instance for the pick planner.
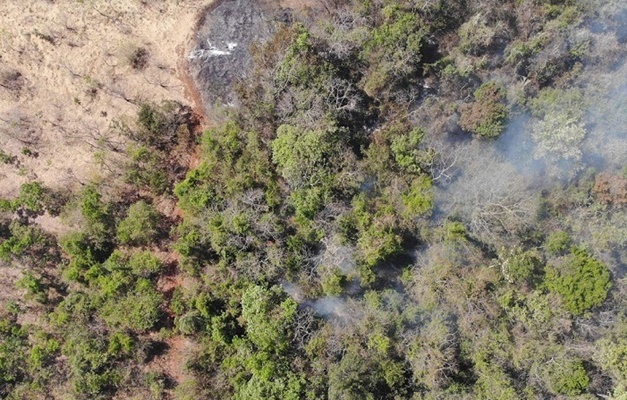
(410, 199)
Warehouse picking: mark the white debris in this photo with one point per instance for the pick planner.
(211, 51)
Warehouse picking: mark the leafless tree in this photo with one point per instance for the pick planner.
(303, 327)
(494, 197)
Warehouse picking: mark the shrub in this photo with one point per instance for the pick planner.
(196, 192)
(6, 158)
(454, 232)
(34, 287)
(139, 58)
(145, 169)
(486, 116)
(582, 281)
(303, 157)
(120, 344)
(96, 213)
(407, 152)
(139, 310)
(558, 242)
(267, 318)
(559, 138)
(377, 243)
(517, 265)
(90, 365)
(393, 51)
(333, 282)
(32, 197)
(158, 125)
(559, 128)
(477, 36)
(307, 202)
(190, 322)
(419, 198)
(144, 264)
(140, 227)
(611, 354)
(13, 345)
(24, 240)
(43, 352)
(81, 255)
(94, 210)
(567, 377)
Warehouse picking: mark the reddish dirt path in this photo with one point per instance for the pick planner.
(179, 348)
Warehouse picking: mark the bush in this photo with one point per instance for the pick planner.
(477, 36)
(518, 266)
(419, 198)
(196, 192)
(407, 152)
(267, 318)
(81, 255)
(558, 242)
(139, 310)
(96, 213)
(34, 287)
(393, 51)
(145, 170)
(582, 282)
(140, 227)
(333, 282)
(559, 128)
(486, 116)
(158, 124)
(32, 197)
(90, 364)
(567, 377)
(378, 243)
(303, 158)
(13, 345)
(612, 357)
(307, 202)
(144, 264)
(22, 241)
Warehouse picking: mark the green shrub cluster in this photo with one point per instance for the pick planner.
(582, 281)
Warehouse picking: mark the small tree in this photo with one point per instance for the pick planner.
(140, 227)
(582, 281)
(486, 116)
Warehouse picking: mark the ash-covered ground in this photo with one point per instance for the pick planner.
(221, 56)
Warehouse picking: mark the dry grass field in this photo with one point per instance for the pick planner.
(69, 68)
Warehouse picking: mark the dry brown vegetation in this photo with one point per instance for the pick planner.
(70, 68)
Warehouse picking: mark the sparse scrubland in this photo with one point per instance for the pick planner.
(407, 199)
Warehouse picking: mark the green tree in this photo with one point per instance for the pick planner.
(267, 318)
(393, 51)
(582, 281)
(304, 157)
(141, 225)
(566, 376)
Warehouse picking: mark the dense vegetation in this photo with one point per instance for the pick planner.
(321, 247)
